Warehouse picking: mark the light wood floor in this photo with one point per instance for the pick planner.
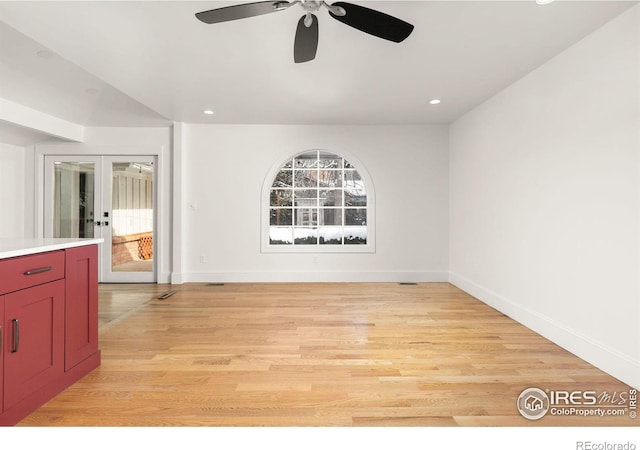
(315, 354)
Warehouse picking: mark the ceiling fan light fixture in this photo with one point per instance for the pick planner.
(308, 20)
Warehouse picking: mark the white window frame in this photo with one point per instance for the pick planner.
(369, 247)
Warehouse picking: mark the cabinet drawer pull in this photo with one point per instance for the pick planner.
(35, 271)
(16, 335)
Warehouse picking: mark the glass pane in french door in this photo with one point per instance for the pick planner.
(73, 199)
(132, 217)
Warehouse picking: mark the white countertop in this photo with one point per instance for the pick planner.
(10, 247)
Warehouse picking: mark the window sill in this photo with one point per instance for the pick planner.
(306, 249)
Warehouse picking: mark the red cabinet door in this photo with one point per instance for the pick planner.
(2, 342)
(34, 340)
(81, 307)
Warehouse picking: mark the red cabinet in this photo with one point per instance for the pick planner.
(48, 326)
(1, 353)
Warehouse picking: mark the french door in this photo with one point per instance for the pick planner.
(109, 197)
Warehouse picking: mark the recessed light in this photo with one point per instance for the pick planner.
(208, 112)
(45, 54)
(544, 2)
(435, 101)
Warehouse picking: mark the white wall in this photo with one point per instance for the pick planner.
(545, 199)
(226, 166)
(12, 194)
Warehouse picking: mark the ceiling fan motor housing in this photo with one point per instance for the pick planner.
(310, 6)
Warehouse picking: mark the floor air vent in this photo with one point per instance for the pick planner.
(215, 284)
(166, 295)
(408, 284)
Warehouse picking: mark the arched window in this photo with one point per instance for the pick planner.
(317, 201)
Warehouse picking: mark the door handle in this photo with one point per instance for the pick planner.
(16, 335)
(37, 271)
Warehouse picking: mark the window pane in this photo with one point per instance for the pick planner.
(355, 235)
(281, 197)
(354, 191)
(306, 197)
(306, 178)
(306, 217)
(330, 178)
(329, 161)
(353, 216)
(280, 216)
(331, 197)
(330, 235)
(331, 216)
(351, 199)
(280, 235)
(306, 161)
(352, 179)
(348, 165)
(283, 179)
(132, 216)
(305, 236)
(73, 199)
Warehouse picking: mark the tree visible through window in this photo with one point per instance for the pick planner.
(317, 198)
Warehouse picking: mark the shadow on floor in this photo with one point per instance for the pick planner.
(117, 301)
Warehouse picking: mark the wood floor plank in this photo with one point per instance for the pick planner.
(316, 354)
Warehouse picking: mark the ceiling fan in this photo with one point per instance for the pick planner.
(305, 45)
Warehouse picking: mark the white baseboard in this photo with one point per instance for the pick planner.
(314, 277)
(621, 366)
(175, 278)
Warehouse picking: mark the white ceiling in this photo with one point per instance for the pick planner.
(153, 62)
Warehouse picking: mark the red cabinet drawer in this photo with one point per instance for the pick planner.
(26, 271)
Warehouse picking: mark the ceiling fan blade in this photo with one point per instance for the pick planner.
(373, 22)
(306, 43)
(242, 11)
